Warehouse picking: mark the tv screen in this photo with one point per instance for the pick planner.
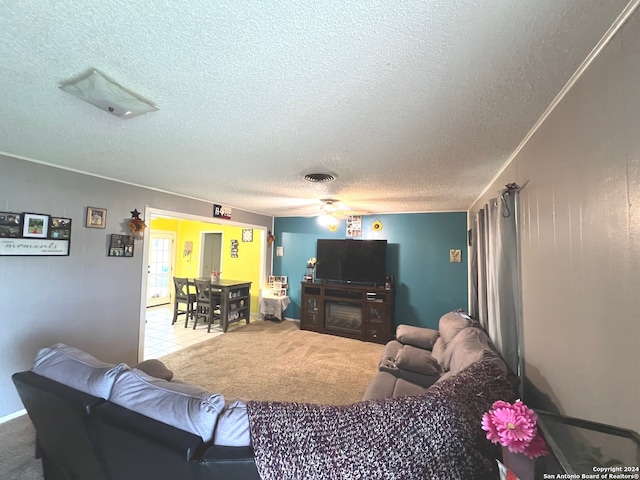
(356, 261)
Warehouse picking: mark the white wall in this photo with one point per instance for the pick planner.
(580, 237)
(87, 299)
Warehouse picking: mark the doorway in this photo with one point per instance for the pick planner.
(160, 268)
(186, 228)
(211, 258)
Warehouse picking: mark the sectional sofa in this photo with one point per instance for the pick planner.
(102, 421)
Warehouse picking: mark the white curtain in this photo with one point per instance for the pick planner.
(495, 274)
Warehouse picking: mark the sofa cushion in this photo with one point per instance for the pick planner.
(232, 429)
(417, 336)
(418, 379)
(179, 404)
(380, 386)
(438, 350)
(469, 346)
(451, 324)
(77, 369)
(423, 380)
(417, 360)
(155, 368)
(404, 388)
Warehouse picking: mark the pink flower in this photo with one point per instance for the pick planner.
(490, 427)
(537, 447)
(514, 427)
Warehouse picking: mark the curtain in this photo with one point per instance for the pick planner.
(495, 274)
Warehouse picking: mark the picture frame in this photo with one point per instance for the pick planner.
(121, 245)
(35, 225)
(60, 228)
(34, 235)
(96, 217)
(10, 225)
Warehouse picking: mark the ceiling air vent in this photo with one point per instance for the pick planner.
(319, 177)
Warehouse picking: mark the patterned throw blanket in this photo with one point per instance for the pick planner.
(435, 435)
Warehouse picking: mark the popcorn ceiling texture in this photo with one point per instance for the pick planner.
(413, 105)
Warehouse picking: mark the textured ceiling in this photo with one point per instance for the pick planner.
(413, 105)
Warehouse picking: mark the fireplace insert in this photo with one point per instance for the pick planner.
(343, 317)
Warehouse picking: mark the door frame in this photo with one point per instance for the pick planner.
(151, 211)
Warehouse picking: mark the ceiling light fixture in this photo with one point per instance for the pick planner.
(328, 220)
(104, 93)
(319, 177)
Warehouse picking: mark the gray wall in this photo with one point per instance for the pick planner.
(580, 237)
(87, 299)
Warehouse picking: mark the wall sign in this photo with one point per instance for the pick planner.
(34, 234)
(222, 212)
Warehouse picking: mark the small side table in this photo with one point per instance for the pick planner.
(272, 306)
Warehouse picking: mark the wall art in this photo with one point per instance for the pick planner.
(96, 217)
(34, 234)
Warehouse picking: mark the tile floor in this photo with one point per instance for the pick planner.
(162, 338)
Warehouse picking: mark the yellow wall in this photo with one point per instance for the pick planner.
(246, 267)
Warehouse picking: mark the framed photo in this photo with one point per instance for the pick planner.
(278, 278)
(121, 246)
(280, 293)
(60, 228)
(35, 225)
(10, 225)
(96, 217)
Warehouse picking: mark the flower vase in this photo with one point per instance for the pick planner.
(309, 275)
(521, 465)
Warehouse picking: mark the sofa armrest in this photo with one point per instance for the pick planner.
(59, 415)
(232, 463)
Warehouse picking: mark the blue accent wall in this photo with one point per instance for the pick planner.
(427, 284)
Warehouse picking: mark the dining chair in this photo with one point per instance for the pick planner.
(183, 296)
(207, 303)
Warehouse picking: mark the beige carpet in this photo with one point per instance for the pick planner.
(279, 362)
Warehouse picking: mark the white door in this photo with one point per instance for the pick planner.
(160, 270)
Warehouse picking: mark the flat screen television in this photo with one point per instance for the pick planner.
(352, 261)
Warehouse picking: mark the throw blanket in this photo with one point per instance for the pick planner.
(436, 435)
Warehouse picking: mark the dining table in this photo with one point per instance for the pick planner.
(235, 300)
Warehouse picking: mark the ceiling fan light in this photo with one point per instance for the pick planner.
(107, 95)
(327, 220)
(319, 177)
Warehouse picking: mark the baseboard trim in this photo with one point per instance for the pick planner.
(13, 415)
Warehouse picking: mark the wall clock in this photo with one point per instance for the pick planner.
(247, 235)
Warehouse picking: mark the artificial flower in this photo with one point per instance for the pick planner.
(537, 447)
(137, 225)
(514, 426)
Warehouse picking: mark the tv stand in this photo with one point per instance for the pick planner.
(347, 310)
